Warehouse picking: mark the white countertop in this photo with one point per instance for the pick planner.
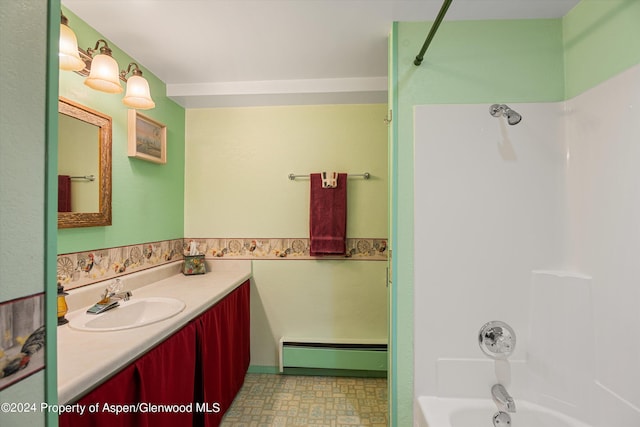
(86, 359)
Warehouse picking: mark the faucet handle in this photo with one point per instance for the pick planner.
(104, 297)
(497, 340)
(115, 286)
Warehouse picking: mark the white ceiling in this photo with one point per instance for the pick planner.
(214, 53)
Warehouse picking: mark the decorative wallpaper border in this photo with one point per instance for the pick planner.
(84, 268)
(285, 248)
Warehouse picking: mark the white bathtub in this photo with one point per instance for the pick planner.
(450, 412)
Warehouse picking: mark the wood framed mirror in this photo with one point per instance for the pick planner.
(84, 152)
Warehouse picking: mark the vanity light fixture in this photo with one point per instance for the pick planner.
(104, 75)
(69, 57)
(138, 94)
(102, 71)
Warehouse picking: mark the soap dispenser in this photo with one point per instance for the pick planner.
(62, 305)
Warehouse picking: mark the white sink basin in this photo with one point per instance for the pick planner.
(130, 314)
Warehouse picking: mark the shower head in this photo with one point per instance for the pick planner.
(497, 110)
(513, 118)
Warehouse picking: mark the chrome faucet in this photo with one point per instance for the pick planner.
(502, 398)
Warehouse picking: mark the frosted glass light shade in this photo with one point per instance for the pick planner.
(138, 94)
(68, 51)
(104, 74)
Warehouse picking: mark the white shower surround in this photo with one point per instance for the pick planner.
(536, 224)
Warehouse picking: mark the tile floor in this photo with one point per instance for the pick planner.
(268, 400)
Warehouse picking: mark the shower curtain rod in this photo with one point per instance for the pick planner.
(434, 28)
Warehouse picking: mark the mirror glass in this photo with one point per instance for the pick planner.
(78, 160)
(84, 166)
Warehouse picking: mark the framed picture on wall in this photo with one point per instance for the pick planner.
(147, 138)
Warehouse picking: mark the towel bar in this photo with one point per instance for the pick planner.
(365, 175)
(87, 177)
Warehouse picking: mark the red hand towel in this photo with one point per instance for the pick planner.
(64, 193)
(328, 217)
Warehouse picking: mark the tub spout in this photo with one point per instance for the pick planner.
(502, 398)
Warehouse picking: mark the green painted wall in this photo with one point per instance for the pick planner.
(481, 61)
(23, 213)
(147, 197)
(601, 39)
(488, 62)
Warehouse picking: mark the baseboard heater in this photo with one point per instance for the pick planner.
(334, 354)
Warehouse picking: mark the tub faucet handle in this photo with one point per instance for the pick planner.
(497, 339)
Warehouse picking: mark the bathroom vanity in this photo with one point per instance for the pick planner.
(184, 370)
